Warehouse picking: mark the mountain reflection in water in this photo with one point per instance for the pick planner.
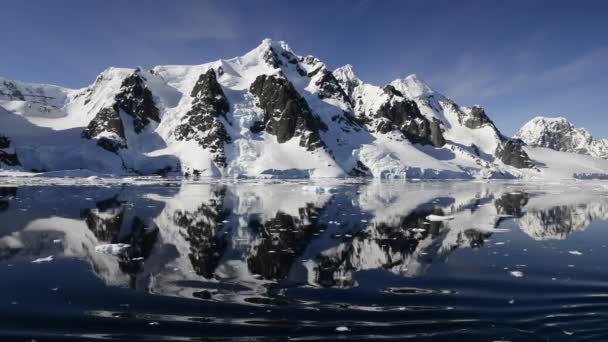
(344, 247)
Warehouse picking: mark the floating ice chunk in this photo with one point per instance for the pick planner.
(115, 249)
(439, 218)
(41, 260)
(57, 241)
(342, 329)
(575, 252)
(418, 230)
(499, 243)
(517, 274)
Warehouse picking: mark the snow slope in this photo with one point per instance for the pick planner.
(269, 113)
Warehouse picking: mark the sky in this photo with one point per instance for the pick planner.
(517, 58)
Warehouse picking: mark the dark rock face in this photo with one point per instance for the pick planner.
(286, 113)
(477, 118)
(9, 159)
(7, 194)
(511, 153)
(4, 142)
(202, 123)
(404, 115)
(107, 120)
(137, 101)
(360, 170)
(14, 93)
(391, 91)
(329, 87)
(271, 57)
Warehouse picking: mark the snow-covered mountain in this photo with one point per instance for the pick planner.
(561, 135)
(268, 113)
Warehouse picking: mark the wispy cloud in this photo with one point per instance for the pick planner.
(205, 20)
(476, 77)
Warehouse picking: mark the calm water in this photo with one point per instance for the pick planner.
(251, 261)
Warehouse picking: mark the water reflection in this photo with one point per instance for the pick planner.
(250, 242)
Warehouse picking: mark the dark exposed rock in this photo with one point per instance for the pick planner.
(107, 121)
(14, 92)
(202, 123)
(477, 118)
(360, 170)
(329, 87)
(511, 152)
(4, 142)
(436, 137)
(9, 159)
(257, 127)
(7, 194)
(404, 115)
(137, 101)
(271, 57)
(290, 57)
(286, 113)
(391, 91)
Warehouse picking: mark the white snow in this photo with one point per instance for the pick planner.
(437, 218)
(45, 124)
(116, 249)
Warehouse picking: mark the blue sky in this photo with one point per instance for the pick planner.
(516, 58)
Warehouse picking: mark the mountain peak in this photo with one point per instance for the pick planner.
(559, 134)
(346, 73)
(413, 86)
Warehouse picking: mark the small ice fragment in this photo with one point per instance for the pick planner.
(439, 218)
(569, 333)
(153, 324)
(342, 329)
(115, 249)
(575, 252)
(41, 260)
(512, 301)
(499, 243)
(57, 241)
(517, 274)
(418, 230)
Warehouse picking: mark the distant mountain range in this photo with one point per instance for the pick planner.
(275, 114)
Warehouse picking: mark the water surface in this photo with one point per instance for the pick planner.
(429, 261)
